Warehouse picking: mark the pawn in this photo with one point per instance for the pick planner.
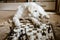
(21, 34)
(49, 30)
(43, 34)
(11, 31)
(9, 38)
(51, 38)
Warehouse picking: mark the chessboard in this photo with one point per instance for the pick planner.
(29, 31)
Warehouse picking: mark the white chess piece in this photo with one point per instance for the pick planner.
(43, 26)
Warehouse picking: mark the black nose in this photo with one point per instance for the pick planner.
(45, 17)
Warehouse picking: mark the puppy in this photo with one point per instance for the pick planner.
(31, 10)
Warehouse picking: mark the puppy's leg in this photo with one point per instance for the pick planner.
(18, 15)
(35, 21)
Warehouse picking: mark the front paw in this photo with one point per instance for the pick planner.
(37, 25)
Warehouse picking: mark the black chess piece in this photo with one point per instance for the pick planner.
(44, 34)
(11, 31)
(9, 38)
(26, 35)
(51, 38)
(49, 30)
(21, 35)
(34, 25)
(38, 26)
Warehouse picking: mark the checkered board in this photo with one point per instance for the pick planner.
(32, 32)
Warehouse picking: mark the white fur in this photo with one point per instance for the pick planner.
(31, 7)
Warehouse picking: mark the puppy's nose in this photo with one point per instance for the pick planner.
(46, 16)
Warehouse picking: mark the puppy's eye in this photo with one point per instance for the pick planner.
(39, 16)
(35, 10)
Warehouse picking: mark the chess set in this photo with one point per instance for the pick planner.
(28, 31)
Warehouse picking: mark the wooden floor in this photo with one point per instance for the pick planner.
(5, 15)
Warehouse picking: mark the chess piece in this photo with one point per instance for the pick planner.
(43, 33)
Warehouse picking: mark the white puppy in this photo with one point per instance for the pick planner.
(31, 10)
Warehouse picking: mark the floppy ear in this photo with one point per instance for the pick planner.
(29, 8)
